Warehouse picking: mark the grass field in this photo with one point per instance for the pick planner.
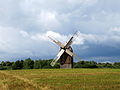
(60, 79)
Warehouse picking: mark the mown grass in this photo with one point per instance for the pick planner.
(60, 79)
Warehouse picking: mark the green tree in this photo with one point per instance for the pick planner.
(1, 67)
(85, 64)
(28, 64)
(17, 65)
(3, 63)
(116, 65)
(37, 64)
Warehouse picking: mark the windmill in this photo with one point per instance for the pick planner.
(65, 55)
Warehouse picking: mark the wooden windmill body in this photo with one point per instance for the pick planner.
(66, 61)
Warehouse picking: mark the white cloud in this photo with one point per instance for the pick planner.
(83, 2)
(115, 30)
(24, 33)
(57, 36)
(25, 25)
(82, 38)
(12, 39)
(48, 20)
(15, 43)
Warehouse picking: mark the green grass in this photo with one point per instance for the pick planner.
(60, 79)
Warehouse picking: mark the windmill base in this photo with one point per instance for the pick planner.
(66, 66)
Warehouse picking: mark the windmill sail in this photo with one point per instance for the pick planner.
(69, 52)
(57, 42)
(57, 57)
(71, 39)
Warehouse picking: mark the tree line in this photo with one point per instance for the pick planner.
(45, 64)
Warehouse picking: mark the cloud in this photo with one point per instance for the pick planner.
(57, 36)
(82, 2)
(47, 20)
(24, 34)
(25, 25)
(115, 30)
(17, 42)
(12, 39)
(104, 59)
(104, 40)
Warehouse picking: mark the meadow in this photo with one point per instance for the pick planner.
(60, 79)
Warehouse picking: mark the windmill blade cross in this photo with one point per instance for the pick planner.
(65, 62)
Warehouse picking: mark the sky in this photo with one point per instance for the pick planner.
(25, 25)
